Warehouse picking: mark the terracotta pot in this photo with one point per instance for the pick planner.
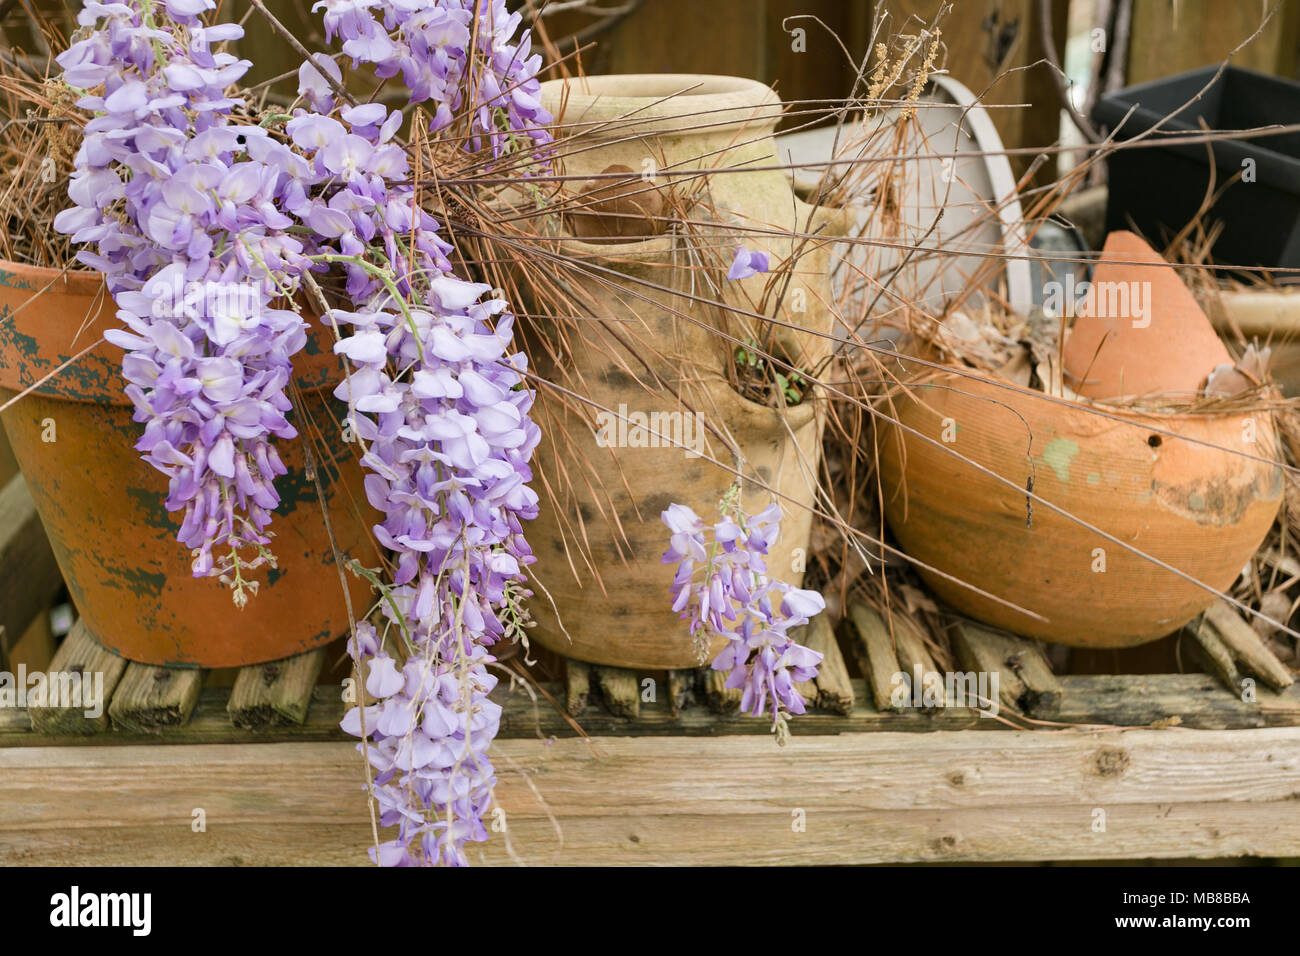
(1115, 353)
(599, 547)
(103, 510)
(1201, 510)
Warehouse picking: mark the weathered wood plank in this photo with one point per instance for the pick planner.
(79, 654)
(879, 798)
(26, 557)
(721, 699)
(1025, 678)
(8, 463)
(914, 659)
(1089, 700)
(619, 691)
(1193, 700)
(681, 689)
(1246, 646)
(154, 700)
(1022, 834)
(1123, 701)
(577, 677)
(1169, 38)
(876, 653)
(1214, 654)
(275, 693)
(35, 649)
(834, 689)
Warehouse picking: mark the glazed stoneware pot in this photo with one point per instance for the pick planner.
(102, 507)
(1203, 510)
(651, 356)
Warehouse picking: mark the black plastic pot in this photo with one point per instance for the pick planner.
(1159, 189)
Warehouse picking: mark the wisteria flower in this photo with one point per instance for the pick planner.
(721, 587)
(175, 188)
(748, 262)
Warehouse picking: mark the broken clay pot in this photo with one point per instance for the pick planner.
(1139, 332)
(1149, 479)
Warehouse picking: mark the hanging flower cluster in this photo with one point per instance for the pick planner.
(732, 596)
(432, 44)
(439, 400)
(179, 195)
(184, 210)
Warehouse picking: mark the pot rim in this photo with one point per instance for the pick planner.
(78, 327)
(1074, 405)
(637, 104)
(76, 279)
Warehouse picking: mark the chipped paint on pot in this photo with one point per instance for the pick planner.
(102, 507)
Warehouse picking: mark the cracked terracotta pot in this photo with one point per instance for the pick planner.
(1146, 335)
(598, 549)
(1200, 509)
(102, 507)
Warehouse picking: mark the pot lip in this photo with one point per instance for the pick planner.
(66, 323)
(653, 249)
(1075, 405)
(75, 280)
(641, 103)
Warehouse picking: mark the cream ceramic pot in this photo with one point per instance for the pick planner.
(645, 415)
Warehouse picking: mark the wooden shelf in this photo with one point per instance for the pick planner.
(881, 797)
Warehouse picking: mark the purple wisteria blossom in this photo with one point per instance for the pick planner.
(179, 200)
(748, 262)
(444, 49)
(437, 398)
(734, 598)
(180, 209)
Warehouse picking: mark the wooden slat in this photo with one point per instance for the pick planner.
(875, 653)
(1246, 646)
(913, 657)
(995, 48)
(1169, 38)
(720, 698)
(1193, 700)
(82, 654)
(153, 700)
(878, 798)
(8, 463)
(26, 557)
(1214, 654)
(619, 691)
(577, 677)
(1025, 679)
(834, 689)
(681, 689)
(1196, 700)
(275, 693)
